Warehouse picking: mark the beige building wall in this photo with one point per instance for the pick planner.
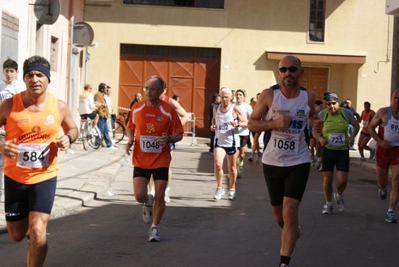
(246, 30)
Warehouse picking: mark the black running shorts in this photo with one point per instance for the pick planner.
(286, 182)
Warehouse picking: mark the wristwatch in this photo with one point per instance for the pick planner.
(170, 139)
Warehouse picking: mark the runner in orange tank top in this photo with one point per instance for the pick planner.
(37, 125)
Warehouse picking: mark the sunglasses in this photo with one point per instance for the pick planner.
(291, 69)
(331, 103)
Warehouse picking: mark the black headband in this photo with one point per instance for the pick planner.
(38, 67)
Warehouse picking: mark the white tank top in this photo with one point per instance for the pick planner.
(391, 129)
(288, 146)
(225, 133)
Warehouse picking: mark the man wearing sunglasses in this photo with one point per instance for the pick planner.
(335, 149)
(283, 111)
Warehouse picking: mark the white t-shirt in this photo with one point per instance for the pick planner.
(86, 103)
(247, 111)
(8, 90)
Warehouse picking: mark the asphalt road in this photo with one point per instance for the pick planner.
(198, 231)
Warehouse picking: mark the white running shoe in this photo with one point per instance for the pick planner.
(340, 203)
(147, 210)
(232, 194)
(153, 234)
(327, 209)
(218, 193)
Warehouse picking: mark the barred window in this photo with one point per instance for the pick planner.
(317, 20)
(180, 3)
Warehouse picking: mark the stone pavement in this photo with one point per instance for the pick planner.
(86, 175)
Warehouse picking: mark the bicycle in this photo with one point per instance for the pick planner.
(119, 132)
(87, 135)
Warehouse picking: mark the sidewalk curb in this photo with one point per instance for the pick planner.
(95, 186)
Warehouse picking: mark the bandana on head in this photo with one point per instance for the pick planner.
(38, 67)
(330, 97)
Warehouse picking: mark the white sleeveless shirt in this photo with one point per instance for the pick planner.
(391, 129)
(288, 146)
(225, 133)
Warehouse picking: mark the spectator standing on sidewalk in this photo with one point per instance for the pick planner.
(243, 131)
(366, 116)
(112, 116)
(283, 112)
(215, 102)
(103, 114)
(8, 87)
(335, 149)
(226, 120)
(387, 152)
(37, 125)
(87, 107)
(153, 126)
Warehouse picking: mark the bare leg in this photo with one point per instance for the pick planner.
(286, 216)
(327, 185)
(159, 204)
(393, 199)
(37, 250)
(232, 166)
(219, 155)
(342, 181)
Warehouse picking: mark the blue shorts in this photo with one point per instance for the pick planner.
(20, 199)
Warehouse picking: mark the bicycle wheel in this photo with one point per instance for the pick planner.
(83, 132)
(94, 140)
(119, 132)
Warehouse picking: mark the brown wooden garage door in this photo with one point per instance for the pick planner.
(191, 73)
(315, 79)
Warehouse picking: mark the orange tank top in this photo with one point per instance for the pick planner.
(35, 134)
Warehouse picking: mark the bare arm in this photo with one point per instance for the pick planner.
(184, 116)
(213, 124)
(352, 137)
(68, 125)
(257, 123)
(379, 118)
(242, 120)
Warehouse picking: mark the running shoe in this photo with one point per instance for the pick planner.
(218, 193)
(327, 209)
(372, 153)
(238, 175)
(250, 159)
(362, 159)
(382, 193)
(390, 217)
(240, 166)
(167, 195)
(340, 203)
(153, 234)
(147, 210)
(232, 194)
(284, 265)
